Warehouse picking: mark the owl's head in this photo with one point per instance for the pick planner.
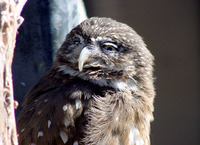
(107, 53)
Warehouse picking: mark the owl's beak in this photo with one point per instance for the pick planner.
(84, 55)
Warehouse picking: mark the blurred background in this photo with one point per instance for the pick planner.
(171, 30)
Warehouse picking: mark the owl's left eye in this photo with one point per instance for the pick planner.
(76, 40)
(109, 47)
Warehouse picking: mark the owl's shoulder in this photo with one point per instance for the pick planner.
(54, 104)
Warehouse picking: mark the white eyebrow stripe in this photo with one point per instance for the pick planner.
(99, 38)
(112, 44)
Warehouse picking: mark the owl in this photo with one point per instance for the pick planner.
(99, 90)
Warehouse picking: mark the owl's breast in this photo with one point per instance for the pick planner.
(110, 120)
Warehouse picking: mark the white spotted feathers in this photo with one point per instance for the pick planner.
(40, 134)
(63, 136)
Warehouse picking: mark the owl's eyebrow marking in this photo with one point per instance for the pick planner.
(99, 38)
(109, 43)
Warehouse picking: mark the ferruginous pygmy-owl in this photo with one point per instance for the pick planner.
(99, 90)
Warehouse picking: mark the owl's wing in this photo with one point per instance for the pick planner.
(49, 113)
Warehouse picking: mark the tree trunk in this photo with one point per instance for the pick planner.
(9, 22)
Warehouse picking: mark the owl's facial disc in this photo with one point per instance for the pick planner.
(99, 54)
(92, 55)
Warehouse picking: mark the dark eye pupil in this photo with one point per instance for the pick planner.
(109, 48)
(76, 40)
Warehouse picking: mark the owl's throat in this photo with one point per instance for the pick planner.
(103, 78)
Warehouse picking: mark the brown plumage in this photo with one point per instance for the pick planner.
(99, 90)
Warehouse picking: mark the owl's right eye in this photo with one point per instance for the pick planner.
(109, 47)
(76, 41)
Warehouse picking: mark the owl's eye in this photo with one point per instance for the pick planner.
(76, 40)
(109, 47)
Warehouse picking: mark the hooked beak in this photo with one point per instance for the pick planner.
(84, 55)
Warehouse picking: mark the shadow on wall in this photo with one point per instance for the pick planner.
(32, 57)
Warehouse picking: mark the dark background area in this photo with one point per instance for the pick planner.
(171, 30)
(33, 54)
